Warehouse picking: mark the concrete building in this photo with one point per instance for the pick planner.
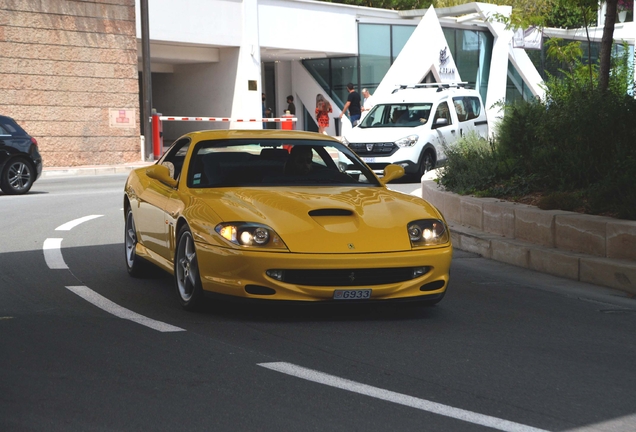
(68, 75)
(70, 69)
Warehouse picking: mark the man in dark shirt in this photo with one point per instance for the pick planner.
(290, 105)
(353, 105)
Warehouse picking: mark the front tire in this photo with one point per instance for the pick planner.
(134, 264)
(186, 271)
(427, 163)
(17, 177)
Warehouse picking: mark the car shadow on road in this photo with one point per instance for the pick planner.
(315, 311)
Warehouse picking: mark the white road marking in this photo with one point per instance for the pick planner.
(387, 395)
(121, 312)
(53, 253)
(72, 224)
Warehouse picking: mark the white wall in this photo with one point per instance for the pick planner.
(284, 88)
(308, 26)
(215, 22)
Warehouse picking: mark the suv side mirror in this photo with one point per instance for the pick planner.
(440, 122)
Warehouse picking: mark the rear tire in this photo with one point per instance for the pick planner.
(186, 271)
(135, 265)
(18, 176)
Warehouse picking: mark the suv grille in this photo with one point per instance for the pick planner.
(348, 277)
(373, 149)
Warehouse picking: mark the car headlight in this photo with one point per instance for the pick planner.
(345, 141)
(408, 141)
(250, 234)
(427, 232)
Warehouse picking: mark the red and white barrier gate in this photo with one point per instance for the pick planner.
(287, 123)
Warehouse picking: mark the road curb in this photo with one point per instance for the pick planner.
(91, 170)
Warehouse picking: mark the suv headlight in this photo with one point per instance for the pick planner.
(427, 232)
(345, 141)
(250, 234)
(408, 141)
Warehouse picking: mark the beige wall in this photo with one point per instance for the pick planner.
(63, 66)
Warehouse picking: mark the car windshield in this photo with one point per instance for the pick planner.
(397, 115)
(276, 162)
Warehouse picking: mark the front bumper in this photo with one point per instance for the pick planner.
(242, 273)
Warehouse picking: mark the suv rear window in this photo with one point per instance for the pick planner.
(397, 115)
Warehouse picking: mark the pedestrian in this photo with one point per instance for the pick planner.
(367, 102)
(353, 105)
(323, 108)
(266, 111)
(290, 105)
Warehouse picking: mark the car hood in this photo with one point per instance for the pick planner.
(384, 134)
(325, 219)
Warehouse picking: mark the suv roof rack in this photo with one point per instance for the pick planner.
(440, 86)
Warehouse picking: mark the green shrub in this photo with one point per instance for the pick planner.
(577, 147)
(470, 166)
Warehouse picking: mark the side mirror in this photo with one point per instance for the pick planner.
(162, 174)
(441, 122)
(392, 172)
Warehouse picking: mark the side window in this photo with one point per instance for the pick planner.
(442, 112)
(3, 131)
(474, 107)
(468, 107)
(460, 108)
(174, 158)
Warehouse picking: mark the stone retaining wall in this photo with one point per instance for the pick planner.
(569, 231)
(63, 66)
(594, 249)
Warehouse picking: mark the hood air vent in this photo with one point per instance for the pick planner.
(330, 212)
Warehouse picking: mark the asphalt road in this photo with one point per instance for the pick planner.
(85, 347)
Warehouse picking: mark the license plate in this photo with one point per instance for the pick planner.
(368, 159)
(352, 294)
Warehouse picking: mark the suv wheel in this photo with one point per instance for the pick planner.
(17, 177)
(428, 163)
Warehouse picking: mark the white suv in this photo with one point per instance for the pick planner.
(411, 126)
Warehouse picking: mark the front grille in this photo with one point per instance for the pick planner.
(348, 277)
(373, 149)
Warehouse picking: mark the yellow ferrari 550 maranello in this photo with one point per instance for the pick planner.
(282, 215)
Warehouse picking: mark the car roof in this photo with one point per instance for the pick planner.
(426, 93)
(258, 134)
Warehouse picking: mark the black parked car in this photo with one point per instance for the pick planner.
(20, 160)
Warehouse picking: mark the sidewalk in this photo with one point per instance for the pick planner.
(51, 172)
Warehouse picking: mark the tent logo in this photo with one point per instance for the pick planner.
(443, 61)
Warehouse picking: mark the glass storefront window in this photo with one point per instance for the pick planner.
(516, 88)
(375, 54)
(344, 70)
(400, 35)
(471, 51)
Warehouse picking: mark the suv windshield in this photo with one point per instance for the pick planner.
(397, 115)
